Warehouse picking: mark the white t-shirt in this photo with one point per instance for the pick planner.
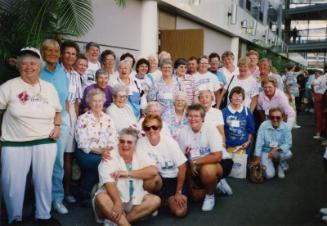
(207, 81)
(250, 86)
(166, 154)
(122, 117)
(89, 76)
(106, 168)
(229, 75)
(30, 110)
(214, 117)
(207, 140)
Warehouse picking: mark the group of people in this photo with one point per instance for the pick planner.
(152, 133)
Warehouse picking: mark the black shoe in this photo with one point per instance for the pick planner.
(48, 222)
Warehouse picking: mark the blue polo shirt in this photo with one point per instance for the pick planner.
(60, 81)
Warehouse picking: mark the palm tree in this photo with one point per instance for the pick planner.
(29, 22)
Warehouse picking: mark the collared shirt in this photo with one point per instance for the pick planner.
(107, 91)
(269, 137)
(60, 81)
(75, 92)
(239, 124)
(106, 168)
(291, 80)
(91, 133)
(278, 100)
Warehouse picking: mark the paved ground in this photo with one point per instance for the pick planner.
(293, 201)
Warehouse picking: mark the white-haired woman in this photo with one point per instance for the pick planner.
(135, 88)
(95, 134)
(176, 119)
(119, 111)
(30, 128)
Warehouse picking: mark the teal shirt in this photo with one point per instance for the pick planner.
(59, 80)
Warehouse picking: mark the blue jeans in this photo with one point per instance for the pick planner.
(58, 169)
(89, 172)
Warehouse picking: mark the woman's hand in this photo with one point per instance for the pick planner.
(180, 200)
(245, 145)
(272, 153)
(117, 211)
(55, 133)
(119, 174)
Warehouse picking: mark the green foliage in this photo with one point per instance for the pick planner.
(28, 23)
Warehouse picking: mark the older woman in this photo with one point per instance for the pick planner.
(214, 116)
(29, 138)
(273, 143)
(154, 69)
(108, 63)
(95, 134)
(205, 80)
(253, 63)
(119, 111)
(229, 69)
(80, 66)
(177, 119)
(164, 90)
(239, 122)
(186, 81)
(121, 198)
(69, 52)
(135, 88)
(265, 68)
(170, 161)
(92, 52)
(102, 79)
(247, 82)
(272, 97)
(153, 108)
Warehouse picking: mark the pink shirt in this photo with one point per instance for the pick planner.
(278, 100)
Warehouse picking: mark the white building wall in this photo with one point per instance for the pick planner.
(116, 28)
(214, 41)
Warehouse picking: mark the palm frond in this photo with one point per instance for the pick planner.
(121, 3)
(75, 16)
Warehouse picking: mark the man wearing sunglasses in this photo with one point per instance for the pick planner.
(274, 141)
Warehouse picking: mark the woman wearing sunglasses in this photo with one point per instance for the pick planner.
(170, 160)
(273, 144)
(121, 198)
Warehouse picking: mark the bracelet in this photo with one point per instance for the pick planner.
(57, 125)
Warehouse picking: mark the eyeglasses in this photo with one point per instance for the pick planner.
(121, 96)
(275, 117)
(122, 141)
(148, 128)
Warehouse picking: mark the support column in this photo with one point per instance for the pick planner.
(149, 28)
(234, 47)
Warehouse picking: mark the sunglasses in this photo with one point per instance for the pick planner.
(275, 118)
(122, 141)
(148, 128)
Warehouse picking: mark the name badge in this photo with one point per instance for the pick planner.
(195, 153)
(235, 123)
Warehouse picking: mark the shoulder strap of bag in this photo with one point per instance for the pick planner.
(230, 83)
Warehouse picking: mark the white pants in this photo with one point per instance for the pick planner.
(70, 147)
(15, 164)
(268, 163)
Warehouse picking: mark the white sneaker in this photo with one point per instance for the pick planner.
(317, 137)
(296, 126)
(108, 223)
(285, 166)
(323, 211)
(224, 187)
(155, 213)
(324, 218)
(208, 203)
(60, 208)
(280, 172)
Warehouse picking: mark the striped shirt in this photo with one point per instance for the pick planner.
(75, 91)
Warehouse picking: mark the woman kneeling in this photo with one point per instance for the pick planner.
(121, 198)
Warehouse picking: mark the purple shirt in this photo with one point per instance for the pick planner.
(107, 91)
(278, 100)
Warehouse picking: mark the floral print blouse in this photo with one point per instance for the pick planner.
(174, 126)
(91, 133)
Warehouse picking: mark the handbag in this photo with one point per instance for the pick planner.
(257, 172)
(239, 158)
(225, 97)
